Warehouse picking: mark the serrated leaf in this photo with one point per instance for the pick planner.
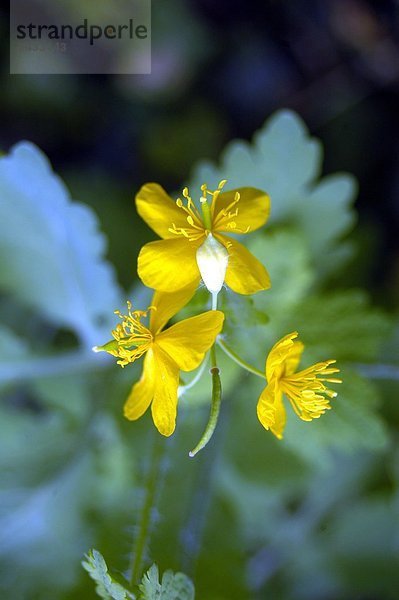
(50, 247)
(150, 586)
(285, 161)
(174, 586)
(107, 588)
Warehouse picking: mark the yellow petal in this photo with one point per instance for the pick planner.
(244, 274)
(142, 392)
(159, 211)
(270, 409)
(284, 357)
(253, 209)
(187, 341)
(169, 265)
(293, 358)
(164, 404)
(167, 305)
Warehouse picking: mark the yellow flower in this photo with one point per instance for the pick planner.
(181, 346)
(193, 243)
(305, 389)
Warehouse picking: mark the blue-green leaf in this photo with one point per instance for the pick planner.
(51, 250)
(174, 586)
(106, 587)
(285, 161)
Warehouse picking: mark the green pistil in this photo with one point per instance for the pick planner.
(206, 214)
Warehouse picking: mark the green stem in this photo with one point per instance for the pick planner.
(206, 214)
(152, 487)
(214, 300)
(237, 359)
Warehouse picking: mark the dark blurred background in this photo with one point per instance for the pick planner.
(219, 70)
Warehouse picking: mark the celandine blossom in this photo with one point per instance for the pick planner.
(306, 390)
(181, 346)
(194, 243)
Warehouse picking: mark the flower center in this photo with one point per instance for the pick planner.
(132, 338)
(204, 222)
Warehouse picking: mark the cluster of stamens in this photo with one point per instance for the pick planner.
(306, 391)
(201, 225)
(196, 228)
(133, 338)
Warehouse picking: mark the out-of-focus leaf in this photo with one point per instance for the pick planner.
(36, 518)
(174, 586)
(11, 346)
(53, 477)
(352, 423)
(69, 395)
(285, 161)
(288, 261)
(50, 247)
(363, 544)
(341, 325)
(107, 588)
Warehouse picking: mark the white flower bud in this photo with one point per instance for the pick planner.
(212, 259)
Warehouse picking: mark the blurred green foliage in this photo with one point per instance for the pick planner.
(311, 517)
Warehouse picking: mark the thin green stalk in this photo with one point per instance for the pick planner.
(183, 388)
(237, 359)
(152, 486)
(214, 300)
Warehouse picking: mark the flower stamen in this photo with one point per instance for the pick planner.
(132, 337)
(307, 392)
(193, 218)
(230, 214)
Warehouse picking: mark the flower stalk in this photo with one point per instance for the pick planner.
(238, 360)
(152, 488)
